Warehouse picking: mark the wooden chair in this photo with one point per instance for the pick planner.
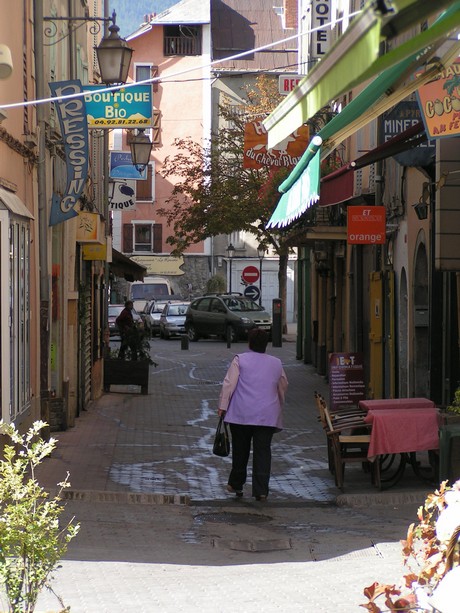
(349, 439)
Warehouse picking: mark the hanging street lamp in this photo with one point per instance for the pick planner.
(141, 147)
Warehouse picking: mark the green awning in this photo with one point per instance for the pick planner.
(369, 104)
(304, 192)
(354, 58)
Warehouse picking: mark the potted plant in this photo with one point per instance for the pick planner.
(429, 555)
(133, 367)
(452, 412)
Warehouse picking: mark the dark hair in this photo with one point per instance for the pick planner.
(258, 340)
(128, 302)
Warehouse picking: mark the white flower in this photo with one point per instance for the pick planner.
(448, 520)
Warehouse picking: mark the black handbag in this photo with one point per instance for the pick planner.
(221, 446)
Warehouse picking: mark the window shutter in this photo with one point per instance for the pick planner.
(144, 188)
(157, 238)
(156, 127)
(154, 72)
(127, 237)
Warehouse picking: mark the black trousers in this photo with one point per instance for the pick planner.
(261, 438)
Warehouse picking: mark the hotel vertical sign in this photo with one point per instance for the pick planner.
(321, 34)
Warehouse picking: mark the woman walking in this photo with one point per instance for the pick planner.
(252, 399)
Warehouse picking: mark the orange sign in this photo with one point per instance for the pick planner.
(439, 102)
(366, 225)
(286, 154)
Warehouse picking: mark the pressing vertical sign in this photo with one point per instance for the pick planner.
(346, 379)
(366, 225)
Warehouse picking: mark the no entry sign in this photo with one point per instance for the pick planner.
(250, 274)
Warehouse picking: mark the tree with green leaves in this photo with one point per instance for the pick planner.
(33, 537)
(213, 194)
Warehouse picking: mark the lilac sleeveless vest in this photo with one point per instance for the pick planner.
(255, 400)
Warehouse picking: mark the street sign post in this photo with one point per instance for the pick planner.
(250, 274)
(252, 292)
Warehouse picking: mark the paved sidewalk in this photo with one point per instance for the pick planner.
(159, 532)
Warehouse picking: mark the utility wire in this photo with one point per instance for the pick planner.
(176, 74)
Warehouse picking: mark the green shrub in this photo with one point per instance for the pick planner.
(455, 406)
(32, 540)
(216, 285)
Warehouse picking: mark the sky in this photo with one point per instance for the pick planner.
(130, 13)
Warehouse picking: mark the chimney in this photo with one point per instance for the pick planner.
(291, 14)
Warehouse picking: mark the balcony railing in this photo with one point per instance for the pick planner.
(181, 45)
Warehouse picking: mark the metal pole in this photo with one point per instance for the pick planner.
(260, 281)
(42, 215)
(230, 281)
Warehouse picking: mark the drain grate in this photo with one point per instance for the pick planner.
(253, 546)
(228, 517)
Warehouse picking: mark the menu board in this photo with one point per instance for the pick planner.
(346, 379)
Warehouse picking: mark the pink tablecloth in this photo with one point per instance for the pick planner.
(396, 403)
(403, 430)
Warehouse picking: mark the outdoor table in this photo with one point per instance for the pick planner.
(395, 403)
(402, 431)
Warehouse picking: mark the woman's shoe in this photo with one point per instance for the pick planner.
(261, 498)
(239, 493)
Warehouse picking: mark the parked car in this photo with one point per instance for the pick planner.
(114, 311)
(152, 313)
(225, 314)
(172, 319)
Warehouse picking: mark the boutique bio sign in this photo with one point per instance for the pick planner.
(126, 107)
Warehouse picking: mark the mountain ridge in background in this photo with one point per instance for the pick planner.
(131, 14)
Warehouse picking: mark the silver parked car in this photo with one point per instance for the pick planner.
(172, 319)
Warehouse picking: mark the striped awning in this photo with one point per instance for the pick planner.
(355, 58)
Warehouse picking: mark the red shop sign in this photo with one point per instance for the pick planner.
(366, 225)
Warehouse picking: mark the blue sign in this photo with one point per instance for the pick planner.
(252, 292)
(74, 129)
(121, 167)
(128, 107)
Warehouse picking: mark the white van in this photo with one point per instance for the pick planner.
(149, 289)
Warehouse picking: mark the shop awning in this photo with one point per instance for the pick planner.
(355, 58)
(337, 186)
(122, 266)
(14, 204)
(410, 138)
(382, 94)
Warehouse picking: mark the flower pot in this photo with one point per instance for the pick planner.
(126, 372)
(448, 417)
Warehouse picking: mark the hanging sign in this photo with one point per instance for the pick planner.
(122, 195)
(121, 167)
(439, 102)
(74, 129)
(128, 107)
(321, 30)
(288, 82)
(366, 225)
(285, 154)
